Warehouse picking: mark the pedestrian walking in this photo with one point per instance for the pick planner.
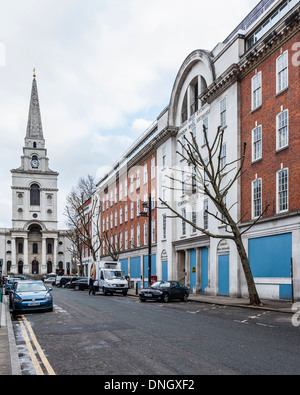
(91, 286)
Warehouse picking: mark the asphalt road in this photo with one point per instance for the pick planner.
(117, 335)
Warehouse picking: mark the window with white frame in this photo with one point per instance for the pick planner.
(131, 210)
(164, 218)
(164, 156)
(116, 218)
(111, 220)
(116, 195)
(256, 198)
(183, 182)
(138, 236)
(121, 215)
(205, 214)
(121, 240)
(103, 225)
(282, 72)
(256, 91)
(223, 112)
(256, 143)
(153, 230)
(138, 207)
(111, 198)
(183, 223)
(223, 157)
(116, 242)
(126, 213)
(282, 122)
(282, 190)
(131, 238)
(107, 223)
(153, 199)
(126, 239)
(145, 233)
(194, 217)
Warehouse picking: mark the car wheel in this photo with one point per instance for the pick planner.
(76, 288)
(165, 298)
(124, 293)
(185, 297)
(142, 300)
(104, 291)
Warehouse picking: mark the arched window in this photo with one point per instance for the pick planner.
(34, 195)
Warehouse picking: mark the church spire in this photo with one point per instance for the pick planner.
(34, 125)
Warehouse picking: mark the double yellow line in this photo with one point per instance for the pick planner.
(26, 332)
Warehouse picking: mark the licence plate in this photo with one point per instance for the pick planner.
(148, 295)
(34, 304)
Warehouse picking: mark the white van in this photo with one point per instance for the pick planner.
(108, 277)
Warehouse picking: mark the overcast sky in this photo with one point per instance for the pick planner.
(105, 70)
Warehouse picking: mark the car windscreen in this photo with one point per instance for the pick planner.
(161, 284)
(112, 274)
(34, 287)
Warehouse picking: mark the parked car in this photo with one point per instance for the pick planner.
(50, 280)
(9, 283)
(164, 291)
(64, 280)
(30, 295)
(80, 284)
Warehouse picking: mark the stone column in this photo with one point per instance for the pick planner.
(13, 255)
(26, 267)
(55, 254)
(44, 251)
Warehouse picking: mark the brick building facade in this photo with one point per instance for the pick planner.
(270, 125)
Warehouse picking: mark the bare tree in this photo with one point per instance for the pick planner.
(83, 217)
(113, 249)
(211, 176)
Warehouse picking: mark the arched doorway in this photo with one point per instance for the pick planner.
(49, 267)
(20, 267)
(35, 267)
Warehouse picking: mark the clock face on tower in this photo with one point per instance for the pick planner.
(34, 162)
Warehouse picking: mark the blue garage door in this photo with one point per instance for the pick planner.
(223, 274)
(204, 268)
(164, 270)
(192, 269)
(271, 257)
(124, 266)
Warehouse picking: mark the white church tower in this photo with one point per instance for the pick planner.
(37, 247)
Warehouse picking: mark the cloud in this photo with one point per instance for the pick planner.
(105, 70)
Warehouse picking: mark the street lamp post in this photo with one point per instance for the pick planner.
(147, 213)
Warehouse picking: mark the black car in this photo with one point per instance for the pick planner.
(80, 284)
(164, 291)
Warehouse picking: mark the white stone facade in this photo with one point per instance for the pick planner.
(34, 245)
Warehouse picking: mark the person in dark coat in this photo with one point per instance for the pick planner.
(91, 286)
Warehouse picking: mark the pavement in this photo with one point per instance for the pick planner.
(9, 361)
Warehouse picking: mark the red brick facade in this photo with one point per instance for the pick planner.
(272, 159)
(121, 206)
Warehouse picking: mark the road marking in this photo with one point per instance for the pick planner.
(38, 347)
(34, 360)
